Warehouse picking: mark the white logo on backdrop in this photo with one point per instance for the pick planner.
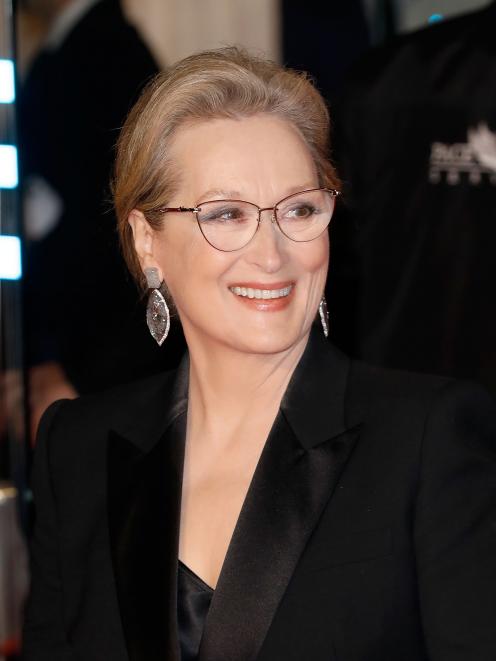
(474, 160)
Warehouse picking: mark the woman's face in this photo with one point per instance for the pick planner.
(260, 159)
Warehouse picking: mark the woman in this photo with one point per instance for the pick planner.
(271, 500)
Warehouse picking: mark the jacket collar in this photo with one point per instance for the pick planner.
(157, 404)
(313, 405)
(314, 402)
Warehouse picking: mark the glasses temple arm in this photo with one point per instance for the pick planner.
(177, 209)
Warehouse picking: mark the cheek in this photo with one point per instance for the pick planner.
(189, 264)
(314, 256)
(176, 248)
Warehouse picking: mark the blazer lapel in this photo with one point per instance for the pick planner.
(305, 453)
(145, 465)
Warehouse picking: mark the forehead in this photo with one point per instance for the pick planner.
(259, 155)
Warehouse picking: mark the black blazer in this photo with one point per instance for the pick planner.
(368, 532)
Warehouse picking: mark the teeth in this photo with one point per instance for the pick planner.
(261, 293)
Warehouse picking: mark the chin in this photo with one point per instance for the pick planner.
(268, 341)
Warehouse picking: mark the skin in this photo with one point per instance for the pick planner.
(242, 354)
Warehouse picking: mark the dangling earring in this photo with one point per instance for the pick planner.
(157, 311)
(324, 315)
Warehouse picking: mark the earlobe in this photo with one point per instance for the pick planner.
(143, 235)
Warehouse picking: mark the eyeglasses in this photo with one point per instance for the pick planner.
(230, 225)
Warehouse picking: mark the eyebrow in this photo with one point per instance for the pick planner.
(221, 194)
(236, 195)
(301, 187)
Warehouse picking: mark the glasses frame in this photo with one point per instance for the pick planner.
(196, 210)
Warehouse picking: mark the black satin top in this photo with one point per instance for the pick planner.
(193, 601)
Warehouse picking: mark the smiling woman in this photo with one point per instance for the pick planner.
(262, 158)
(272, 499)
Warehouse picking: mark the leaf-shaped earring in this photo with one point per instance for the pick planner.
(157, 311)
(324, 315)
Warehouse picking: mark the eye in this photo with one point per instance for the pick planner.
(300, 211)
(221, 213)
(304, 211)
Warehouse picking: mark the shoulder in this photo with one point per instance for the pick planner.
(405, 68)
(111, 33)
(117, 64)
(371, 384)
(425, 404)
(70, 457)
(375, 381)
(370, 387)
(89, 419)
(119, 401)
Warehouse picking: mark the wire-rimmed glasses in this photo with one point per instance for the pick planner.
(230, 225)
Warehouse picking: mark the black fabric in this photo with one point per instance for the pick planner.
(193, 601)
(367, 533)
(325, 39)
(144, 511)
(412, 266)
(82, 308)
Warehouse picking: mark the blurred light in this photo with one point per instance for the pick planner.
(435, 18)
(7, 87)
(8, 166)
(10, 258)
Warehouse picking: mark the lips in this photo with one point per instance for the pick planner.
(262, 294)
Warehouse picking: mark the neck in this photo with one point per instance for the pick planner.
(227, 387)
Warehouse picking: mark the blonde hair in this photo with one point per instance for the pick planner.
(225, 83)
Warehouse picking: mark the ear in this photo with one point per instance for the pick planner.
(143, 235)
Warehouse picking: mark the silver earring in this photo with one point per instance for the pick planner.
(157, 311)
(324, 315)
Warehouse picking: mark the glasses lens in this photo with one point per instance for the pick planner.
(304, 216)
(227, 224)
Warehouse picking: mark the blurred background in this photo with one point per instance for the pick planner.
(411, 86)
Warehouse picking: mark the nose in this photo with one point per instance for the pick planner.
(266, 249)
(272, 214)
